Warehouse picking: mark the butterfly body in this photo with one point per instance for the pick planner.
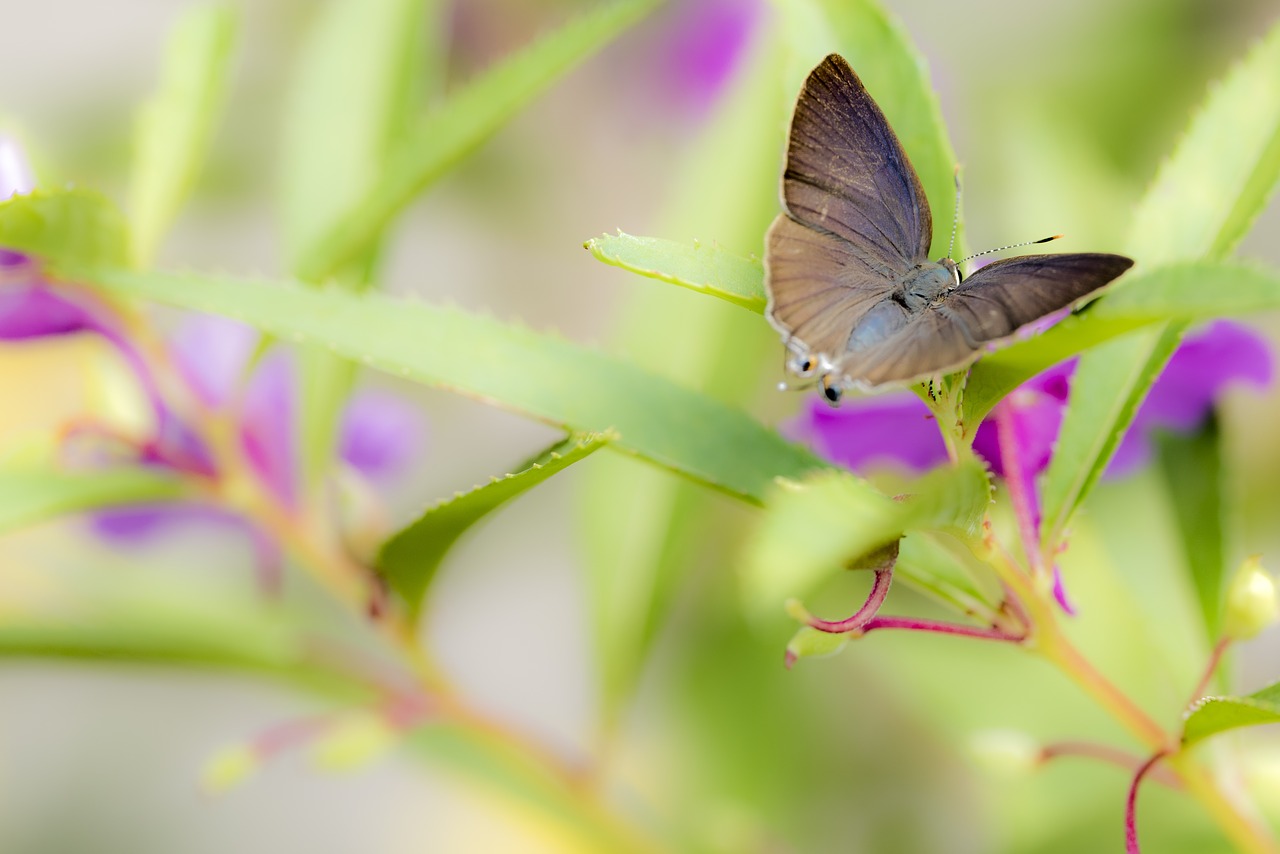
(850, 284)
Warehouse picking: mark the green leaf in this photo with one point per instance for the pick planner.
(1213, 715)
(1184, 291)
(28, 497)
(547, 378)
(463, 123)
(353, 99)
(896, 74)
(355, 95)
(410, 559)
(1192, 468)
(79, 224)
(813, 528)
(1201, 205)
(706, 269)
(811, 643)
(174, 125)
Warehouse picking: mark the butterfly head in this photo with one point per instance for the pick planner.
(954, 269)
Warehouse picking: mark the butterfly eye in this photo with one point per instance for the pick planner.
(833, 393)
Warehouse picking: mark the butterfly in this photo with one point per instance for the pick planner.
(851, 288)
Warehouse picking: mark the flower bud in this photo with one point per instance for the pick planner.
(1004, 752)
(811, 643)
(228, 768)
(362, 517)
(353, 741)
(1251, 601)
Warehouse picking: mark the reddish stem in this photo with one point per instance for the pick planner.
(1110, 755)
(1131, 804)
(879, 590)
(982, 632)
(1215, 658)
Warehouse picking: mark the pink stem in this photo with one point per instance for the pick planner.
(1215, 658)
(1110, 755)
(1020, 488)
(879, 590)
(1131, 805)
(985, 633)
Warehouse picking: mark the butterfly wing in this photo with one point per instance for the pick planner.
(990, 305)
(856, 215)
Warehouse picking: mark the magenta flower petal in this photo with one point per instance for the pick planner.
(381, 433)
(212, 353)
(706, 41)
(267, 419)
(1181, 398)
(33, 310)
(891, 429)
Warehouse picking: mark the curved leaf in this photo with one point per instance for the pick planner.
(28, 497)
(1213, 715)
(409, 560)
(175, 124)
(461, 124)
(706, 269)
(551, 379)
(812, 528)
(1202, 203)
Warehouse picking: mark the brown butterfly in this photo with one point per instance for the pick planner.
(851, 287)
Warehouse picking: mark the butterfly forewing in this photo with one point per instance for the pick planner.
(847, 173)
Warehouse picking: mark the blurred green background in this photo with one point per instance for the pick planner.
(1059, 114)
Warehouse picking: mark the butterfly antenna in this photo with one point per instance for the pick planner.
(1010, 246)
(955, 216)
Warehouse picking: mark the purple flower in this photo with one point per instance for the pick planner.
(701, 45)
(213, 362)
(888, 428)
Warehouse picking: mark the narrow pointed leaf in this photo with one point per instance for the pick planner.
(542, 376)
(461, 124)
(175, 124)
(1201, 205)
(28, 497)
(1213, 715)
(409, 560)
(707, 269)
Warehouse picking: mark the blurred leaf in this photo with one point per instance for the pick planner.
(175, 124)
(353, 99)
(409, 559)
(1213, 715)
(355, 93)
(28, 497)
(928, 564)
(537, 374)
(157, 621)
(705, 269)
(460, 125)
(646, 534)
(813, 528)
(1183, 291)
(896, 74)
(1204, 199)
(79, 224)
(468, 752)
(1192, 468)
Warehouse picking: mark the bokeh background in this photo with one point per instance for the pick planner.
(1059, 113)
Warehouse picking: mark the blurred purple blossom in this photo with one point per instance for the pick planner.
(213, 359)
(897, 428)
(702, 43)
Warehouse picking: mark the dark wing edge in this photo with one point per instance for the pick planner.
(847, 173)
